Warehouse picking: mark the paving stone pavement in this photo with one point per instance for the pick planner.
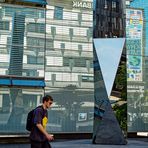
(83, 144)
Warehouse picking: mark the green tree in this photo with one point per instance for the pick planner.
(121, 81)
(120, 107)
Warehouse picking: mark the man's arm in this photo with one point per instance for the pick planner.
(48, 136)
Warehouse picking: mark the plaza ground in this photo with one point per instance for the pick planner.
(85, 143)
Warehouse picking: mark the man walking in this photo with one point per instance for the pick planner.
(39, 136)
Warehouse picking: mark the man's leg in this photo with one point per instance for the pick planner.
(35, 144)
(46, 145)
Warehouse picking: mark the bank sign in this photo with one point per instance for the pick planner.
(84, 4)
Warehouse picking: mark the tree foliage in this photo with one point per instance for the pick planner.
(121, 81)
(121, 86)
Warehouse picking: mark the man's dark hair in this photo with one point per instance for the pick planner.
(47, 98)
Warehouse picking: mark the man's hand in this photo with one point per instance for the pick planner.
(49, 137)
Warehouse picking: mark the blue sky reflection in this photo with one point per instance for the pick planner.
(109, 53)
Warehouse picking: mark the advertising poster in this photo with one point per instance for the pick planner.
(134, 30)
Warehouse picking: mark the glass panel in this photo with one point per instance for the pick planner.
(58, 13)
(36, 27)
(70, 85)
(15, 103)
(4, 25)
(21, 52)
(69, 72)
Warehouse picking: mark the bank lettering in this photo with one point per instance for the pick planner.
(77, 4)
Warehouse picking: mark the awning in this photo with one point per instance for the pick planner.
(42, 2)
(5, 82)
(21, 82)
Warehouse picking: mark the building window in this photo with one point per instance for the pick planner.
(32, 73)
(77, 62)
(30, 102)
(62, 45)
(49, 44)
(58, 13)
(32, 41)
(79, 18)
(53, 31)
(4, 25)
(117, 7)
(34, 27)
(35, 60)
(4, 103)
(80, 49)
(105, 4)
(113, 5)
(87, 78)
(89, 33)
(80, 62)
(35, 43)
(71, 33)
(8, 44)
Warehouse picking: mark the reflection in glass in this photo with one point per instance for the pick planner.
(69, 69)
(18, 44)
(14, 106)
(21, 64)
(70, 103)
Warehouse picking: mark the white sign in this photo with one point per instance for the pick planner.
(82, 116)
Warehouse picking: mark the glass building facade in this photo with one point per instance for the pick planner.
(22, 41)
(69, 65)
(108, 18)
(47, 51)
(137, 49)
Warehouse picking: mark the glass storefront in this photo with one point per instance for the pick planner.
(51, 48)
(22, 48)
(69, 65)
(14, 106)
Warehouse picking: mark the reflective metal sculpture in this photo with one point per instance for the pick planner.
(107, 53)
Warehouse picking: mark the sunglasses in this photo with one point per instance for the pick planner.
(50, 103)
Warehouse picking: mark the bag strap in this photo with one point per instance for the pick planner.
(41, 106)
